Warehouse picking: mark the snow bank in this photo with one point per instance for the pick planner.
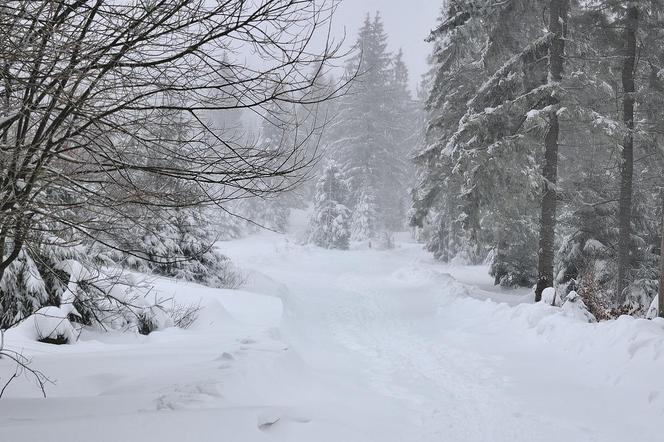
(387, 346)
(569, 328)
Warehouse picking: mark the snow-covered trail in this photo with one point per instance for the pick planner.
(353, 346)
(377, 314)
(448, 366)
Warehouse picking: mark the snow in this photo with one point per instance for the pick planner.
(360, 345)
(50, 323)
(549, 296)
(653, 309)
(576, 308)
(594, 247)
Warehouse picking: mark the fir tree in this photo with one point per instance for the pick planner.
(331, 218)
(365, 216)
(483, 84)
(373, 133)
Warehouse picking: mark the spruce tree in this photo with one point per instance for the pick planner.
(480, 130)
(446, 88)
(373, 133)
(558, 13)
(330, 222)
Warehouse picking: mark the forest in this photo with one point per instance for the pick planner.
(264, 220)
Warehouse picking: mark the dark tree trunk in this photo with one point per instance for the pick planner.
(557, 26)
(627, 163)
(660, 310)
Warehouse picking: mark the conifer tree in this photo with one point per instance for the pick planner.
(450, 83)
(503, 99)
(365, 216)
(330, 222)
(614, 245)
(488, 76)
(373, 133)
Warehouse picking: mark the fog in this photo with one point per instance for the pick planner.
(252, 220)
(407, 27)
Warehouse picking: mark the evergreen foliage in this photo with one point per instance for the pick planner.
(373, 134)
(490, 101)
(330, 222)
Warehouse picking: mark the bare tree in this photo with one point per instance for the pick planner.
(90, 89)
(22, 368)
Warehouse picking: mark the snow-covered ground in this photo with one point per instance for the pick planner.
(361, 345)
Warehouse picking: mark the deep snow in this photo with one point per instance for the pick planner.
(360, 345)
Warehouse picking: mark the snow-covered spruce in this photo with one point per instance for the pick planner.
(178, 243)
(330, 222)
(575, 307)
(477, 179)
(35, 279)
(374, 133)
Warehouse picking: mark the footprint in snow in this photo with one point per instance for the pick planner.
(225, 356)
(226, 359)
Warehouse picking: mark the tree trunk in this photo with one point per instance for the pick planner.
(660, 300)
(627, 163)
(557, 26)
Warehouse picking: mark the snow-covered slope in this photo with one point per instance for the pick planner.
(358, 345)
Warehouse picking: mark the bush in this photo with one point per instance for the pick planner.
(184, 316)
(52, 325)
(591, 295)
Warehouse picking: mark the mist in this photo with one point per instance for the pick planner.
(407, 27)
(299, 221)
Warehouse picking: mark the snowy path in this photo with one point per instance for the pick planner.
(450, 367)
(359, 345)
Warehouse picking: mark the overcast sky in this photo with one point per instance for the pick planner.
(407, 23)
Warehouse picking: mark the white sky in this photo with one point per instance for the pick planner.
(407, 23)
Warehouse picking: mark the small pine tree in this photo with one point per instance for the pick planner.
(365, 217)
(330, 221)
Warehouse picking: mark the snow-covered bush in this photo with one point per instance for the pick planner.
(179, 243)
(587, 252)
(590, 292)
(118, 302)
(22, 290)
(153, 318)
(645, 282)
(549, 296)
(184, 316)
(34, 280)
(52, 325)
(88, 280)
(576, 308)
(329, 224)
(96, 297)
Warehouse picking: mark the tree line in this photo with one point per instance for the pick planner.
(534, 143)
(543, 146)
